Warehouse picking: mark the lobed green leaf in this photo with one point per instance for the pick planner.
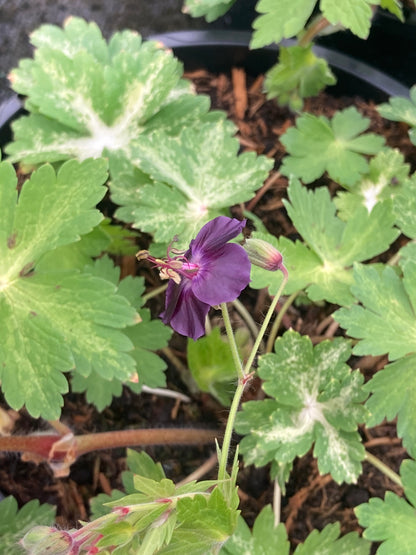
(266, 538)
(87, 97)
(270, 26)
(194, 177)
(59, 318)
(398, 401)
(402, 109)
(405, 207)
(147, 336)
(269, 539)
(14, 522)
(392, 522)
(210, 9)
(387, 178)
(328, 542)
(354, 15)
(315, 398)
(385, 323)
(337, 146)
(298, 75)
(323, 265)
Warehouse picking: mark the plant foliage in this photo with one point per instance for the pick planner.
(314, 399)
(58, 320)
(402, 109)
(337, 146)
(15, 522)
(323, 264)
(392, 521)
(268, 539)
(193, 178)
(86, 97)
(298, 74)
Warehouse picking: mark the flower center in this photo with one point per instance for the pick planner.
(171, 267)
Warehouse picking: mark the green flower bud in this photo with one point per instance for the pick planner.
(263, 254)
(45, 539)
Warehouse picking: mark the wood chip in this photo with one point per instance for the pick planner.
(238, 77)
(257, 85)
(104, 483)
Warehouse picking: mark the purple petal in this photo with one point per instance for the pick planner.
(223, 277)
(184, 311)
(216, 233)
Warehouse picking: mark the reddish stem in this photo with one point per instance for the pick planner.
(37, 444)
(60, 451)
(158, 436)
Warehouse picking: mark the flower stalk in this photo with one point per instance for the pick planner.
(231, 341)
(245, 376)
(266, 321)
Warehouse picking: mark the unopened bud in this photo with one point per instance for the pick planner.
(263, 254)
(45, 539)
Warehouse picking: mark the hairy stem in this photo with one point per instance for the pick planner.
(158, 436)
(278, 321)
(222, 469)
(57, 447)
(265, 323)
(231, 341)
(244, 375)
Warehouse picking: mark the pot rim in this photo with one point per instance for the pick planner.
(182, 41)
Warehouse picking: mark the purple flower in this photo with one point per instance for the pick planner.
(212, 271)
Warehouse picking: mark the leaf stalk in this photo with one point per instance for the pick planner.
(387, 471)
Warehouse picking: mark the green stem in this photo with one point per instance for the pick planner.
(384, 468)
(265, 323)
(154, 292)
(231, 340)
(277, 502)
(318, 25)
(278, 321)
(244, 375)
(222, 469)
(251, 324)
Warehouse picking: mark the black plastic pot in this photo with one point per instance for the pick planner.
(221, 50)
(390, 47)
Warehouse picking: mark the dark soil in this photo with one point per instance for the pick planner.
(311, 500)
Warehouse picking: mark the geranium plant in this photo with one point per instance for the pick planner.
(119, 118)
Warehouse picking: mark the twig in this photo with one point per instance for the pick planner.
(274, 177)
(318, 25)
(201, 471)
(377, 441)
(183, 370)
(160, 392)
